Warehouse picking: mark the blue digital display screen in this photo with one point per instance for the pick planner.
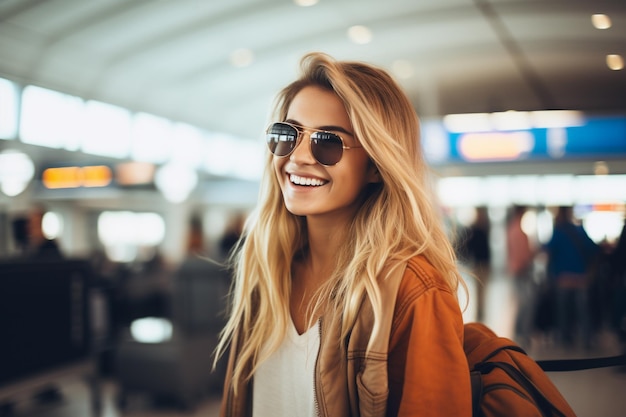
(596, 137)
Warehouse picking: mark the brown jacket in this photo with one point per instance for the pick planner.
(415, 365)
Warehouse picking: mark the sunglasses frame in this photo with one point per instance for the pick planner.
(301, 130)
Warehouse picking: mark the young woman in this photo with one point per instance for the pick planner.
(345, 291)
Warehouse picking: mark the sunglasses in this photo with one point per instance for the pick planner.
(326, 147)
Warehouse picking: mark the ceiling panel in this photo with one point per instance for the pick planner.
(171, 58)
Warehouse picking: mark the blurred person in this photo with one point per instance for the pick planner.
(618, 286)
(232, 234)
(38, 246)
(34, 246)
(346, 233)
(19, 229)
(477, 253)
(571, 254)
(520, 255)
(153, 285)
(198, 266)
(200, 295)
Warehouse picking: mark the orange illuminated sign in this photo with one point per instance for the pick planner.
(75, 177)
(495, 146)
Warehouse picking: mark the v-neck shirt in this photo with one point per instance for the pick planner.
(284, 384)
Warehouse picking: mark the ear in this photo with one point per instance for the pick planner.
(373, 174)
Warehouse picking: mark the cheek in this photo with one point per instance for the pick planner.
(355, 176)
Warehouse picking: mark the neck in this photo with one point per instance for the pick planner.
(314, 269)
(325, 241)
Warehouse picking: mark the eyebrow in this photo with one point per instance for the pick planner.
(329, 128)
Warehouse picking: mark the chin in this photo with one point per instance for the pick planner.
(298, 211)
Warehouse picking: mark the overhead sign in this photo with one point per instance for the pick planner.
(600, 137)
(77, 177)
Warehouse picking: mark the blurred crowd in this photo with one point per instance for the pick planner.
(567, 287)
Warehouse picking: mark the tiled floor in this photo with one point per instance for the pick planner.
(591, 393)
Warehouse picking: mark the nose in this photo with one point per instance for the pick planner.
(302, 153)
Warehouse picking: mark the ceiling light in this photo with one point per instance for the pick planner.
(305, 3)
(615, 62)
(471, 122)
(360, 34)
(241, 57)
(510, 120)
(600, 21)
(546, 119)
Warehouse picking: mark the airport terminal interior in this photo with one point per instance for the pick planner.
(132, 149)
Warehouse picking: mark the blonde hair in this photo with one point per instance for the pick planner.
(398, 219)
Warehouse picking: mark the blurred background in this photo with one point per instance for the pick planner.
(131, 148)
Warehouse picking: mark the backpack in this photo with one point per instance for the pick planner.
(506, 381)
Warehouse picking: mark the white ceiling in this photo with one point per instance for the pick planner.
(171, 58)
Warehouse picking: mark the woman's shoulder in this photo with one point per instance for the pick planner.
(421, 275)
(422, 289)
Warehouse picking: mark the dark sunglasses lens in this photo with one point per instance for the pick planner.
(281, 139)
(327, 148)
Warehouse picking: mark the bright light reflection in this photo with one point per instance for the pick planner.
(360, 35)
(122, 232)
(16, 171)
(220, 154)
(190, 145)
(556, 118)
(56, 120)
(557, 190)
(511, 120)
(497, 190)
(151, 330)
(544, 226)
(528, 223)
(531, 190)
(603, 225)
(126, 227)
(8, 114)
(460, 191)
(615, 62)
(598, 188)
(52, 225)
(465, 216)
(471, 122)
(107, 131)
(248, 163)
(176, 181)
(51, 119)
(151, 138)
(523, 189)
(600, 21)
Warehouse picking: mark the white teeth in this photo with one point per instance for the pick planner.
(305, 181)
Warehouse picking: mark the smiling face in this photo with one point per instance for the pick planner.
(309, 188)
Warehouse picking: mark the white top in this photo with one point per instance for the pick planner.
(284, 385)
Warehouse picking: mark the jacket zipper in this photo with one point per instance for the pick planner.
(315, 373)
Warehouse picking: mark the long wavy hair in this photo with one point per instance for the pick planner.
(398, 219)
